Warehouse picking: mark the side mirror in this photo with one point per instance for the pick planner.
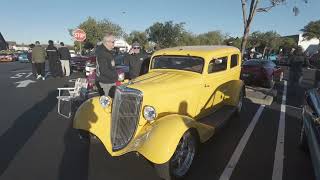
(218, 61)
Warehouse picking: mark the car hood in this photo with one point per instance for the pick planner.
(170, 92)
(165, 80)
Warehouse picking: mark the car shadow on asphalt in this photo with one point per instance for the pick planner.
(76, 155)
(13, 140)
(75, 159)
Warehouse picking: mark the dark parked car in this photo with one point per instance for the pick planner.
(310, 129)
(78, 63)
(260, 72)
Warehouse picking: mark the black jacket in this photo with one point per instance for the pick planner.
(106, 68)
(64, 53)
(135, 64)
(52, 53)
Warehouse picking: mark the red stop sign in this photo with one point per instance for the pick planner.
(79, 35)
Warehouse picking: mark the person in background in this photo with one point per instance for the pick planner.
(135, 58)
(38, 58)
(33, 66)
(65, 57)
(106, 68)
(297, 61)
(315, 62)
(53, 58)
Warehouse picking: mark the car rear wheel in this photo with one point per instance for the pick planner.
(181, 161)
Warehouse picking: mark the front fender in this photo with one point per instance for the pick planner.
(162, 136)
(91, 117)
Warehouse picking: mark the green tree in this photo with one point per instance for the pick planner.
(140, 37)
(95, 30)
(248, 16)
(269, 40)
(165, 34)
(233, 41)
(211, 38)
(312, 30)
(187, 39)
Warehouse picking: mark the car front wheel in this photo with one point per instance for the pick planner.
(180, 163)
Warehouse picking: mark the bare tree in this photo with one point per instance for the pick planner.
(254, 8)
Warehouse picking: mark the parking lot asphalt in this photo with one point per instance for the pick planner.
(37, 143)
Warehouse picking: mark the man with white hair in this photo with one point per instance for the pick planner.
(106, 66)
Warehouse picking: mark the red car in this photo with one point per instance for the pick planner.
(260, 72)
(7, 57)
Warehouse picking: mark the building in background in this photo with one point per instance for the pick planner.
(3, 43)
(309, 46)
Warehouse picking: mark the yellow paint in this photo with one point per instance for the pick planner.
(179, 97)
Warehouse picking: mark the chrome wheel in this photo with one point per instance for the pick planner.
(184, 155)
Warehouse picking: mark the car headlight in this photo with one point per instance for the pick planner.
(105, 101)
(149, 113)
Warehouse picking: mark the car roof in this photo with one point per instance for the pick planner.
(200, 51)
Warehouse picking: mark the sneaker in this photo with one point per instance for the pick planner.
(43, 78)
(39, 76)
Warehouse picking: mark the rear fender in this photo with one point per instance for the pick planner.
(235, 87)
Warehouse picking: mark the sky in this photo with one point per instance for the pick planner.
(28, 21)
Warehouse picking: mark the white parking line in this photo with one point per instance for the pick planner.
(279, 154)
(239, 149)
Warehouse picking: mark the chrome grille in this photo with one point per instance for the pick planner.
(125, 116)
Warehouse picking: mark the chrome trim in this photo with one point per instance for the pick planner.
(125, 116)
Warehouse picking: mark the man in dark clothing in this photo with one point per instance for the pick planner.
(315, 62)
(106, 66)
(65, 57)
(135, 59)
(53, 58)
(38, 59)
(297, 61)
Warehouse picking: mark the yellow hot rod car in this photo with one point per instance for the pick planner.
(163, 115)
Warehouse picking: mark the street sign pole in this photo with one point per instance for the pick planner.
(79, 35)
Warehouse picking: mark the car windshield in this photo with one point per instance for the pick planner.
(187, 63)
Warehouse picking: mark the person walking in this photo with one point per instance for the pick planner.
(65, 57)
(135, 59)
(53, 58)
(106, 69)
(38, 59)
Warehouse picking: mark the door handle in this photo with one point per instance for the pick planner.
(224, 90)
(206, 85)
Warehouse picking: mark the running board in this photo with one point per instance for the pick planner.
(218, 118)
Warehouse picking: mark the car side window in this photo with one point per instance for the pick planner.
(234, 60)
(217, 65)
